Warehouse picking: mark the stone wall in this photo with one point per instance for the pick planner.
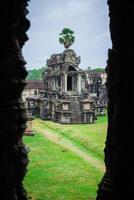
(118, 181)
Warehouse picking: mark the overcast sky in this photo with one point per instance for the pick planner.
(89, 20)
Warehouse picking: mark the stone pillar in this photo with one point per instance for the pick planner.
(29, 130)
(51, 83)
(83, 84)
(55, 80)
(73, 83)
(61, 83)
(54, 83)
(65, 82)
(118, 181)
(13, 117)
(48, 80)
(79, 83)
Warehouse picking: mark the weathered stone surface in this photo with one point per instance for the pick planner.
(65, 93)
(118, 181)
(29, 126)
(13, 154)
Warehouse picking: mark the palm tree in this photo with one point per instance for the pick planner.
(67, 37)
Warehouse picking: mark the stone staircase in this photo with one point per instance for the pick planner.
(76, 111)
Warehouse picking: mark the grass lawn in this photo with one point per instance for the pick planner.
(58, 173)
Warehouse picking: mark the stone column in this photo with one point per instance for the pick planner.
(13, 154)
(118, 181)
(29, 129)
(83, 83)
(65, 82)
(79, 83)
(61, 83)
(54, 83)
(74, 84)
(50, 83)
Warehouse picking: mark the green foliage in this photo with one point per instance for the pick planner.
(98, 70)
(67, 37)
(35, 74)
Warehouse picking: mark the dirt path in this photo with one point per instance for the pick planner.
(67, 143)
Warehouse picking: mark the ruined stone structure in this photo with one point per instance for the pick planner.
(29, 129)
(65, 98)
(95, 81)
(32, 88)
(96, 87)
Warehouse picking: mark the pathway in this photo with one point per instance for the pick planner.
(63, 141)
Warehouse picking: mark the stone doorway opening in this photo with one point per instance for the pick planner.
(69, 83)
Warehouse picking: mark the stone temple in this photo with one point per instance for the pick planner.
(65, 98)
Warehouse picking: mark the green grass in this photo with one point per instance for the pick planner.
(56, 173)
(89, 136)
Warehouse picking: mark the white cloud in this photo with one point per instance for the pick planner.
(72, 8)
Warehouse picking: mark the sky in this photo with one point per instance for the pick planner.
(87, 18)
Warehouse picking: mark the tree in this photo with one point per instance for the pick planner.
(67, 37)
(35, 74)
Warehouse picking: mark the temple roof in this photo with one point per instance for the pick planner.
(68, 56)
(34, 84)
